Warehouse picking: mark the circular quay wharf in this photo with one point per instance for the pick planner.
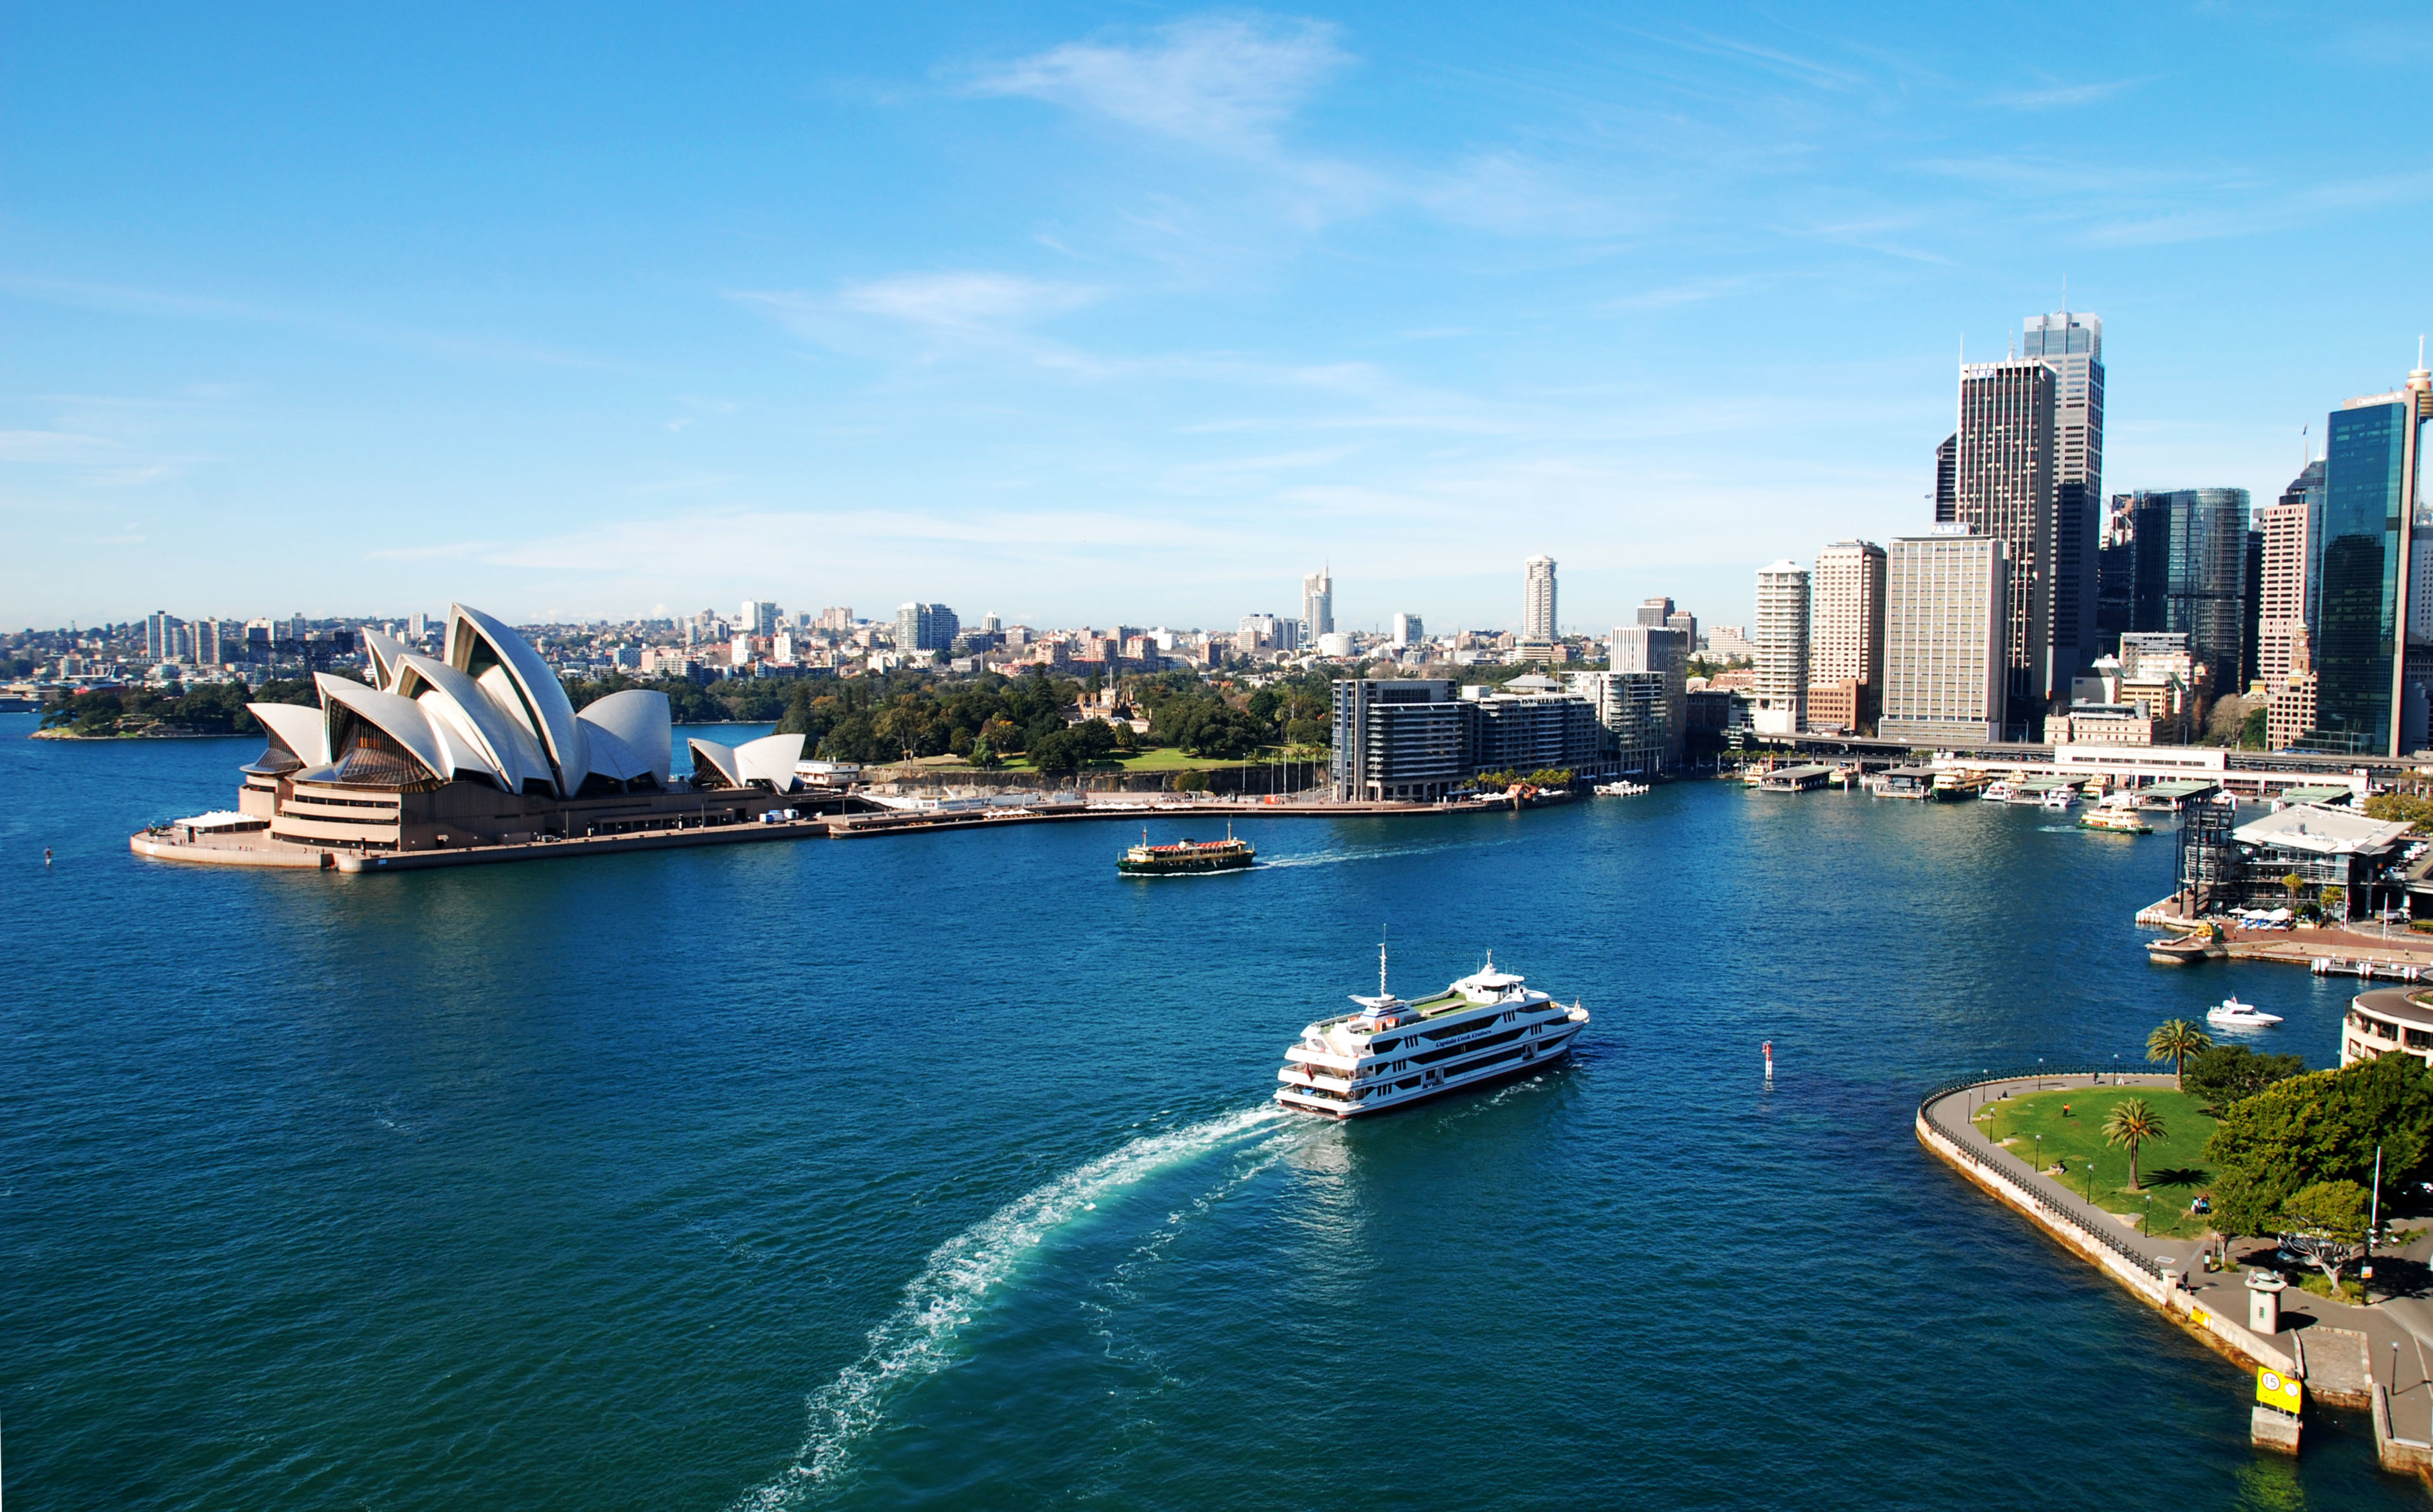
(2364, 1356)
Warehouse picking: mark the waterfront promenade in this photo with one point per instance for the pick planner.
(2388, 952)
(2342, 1350)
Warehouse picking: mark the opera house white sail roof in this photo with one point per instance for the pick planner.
(487, 710)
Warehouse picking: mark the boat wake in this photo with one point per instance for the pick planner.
(1381, 853)
(918, 1338)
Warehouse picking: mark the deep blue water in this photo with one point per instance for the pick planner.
(937, 1171)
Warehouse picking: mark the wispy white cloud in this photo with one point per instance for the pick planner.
(2064, 96)
(1223, 81)
(2257, 210)
(171, 304)
(57, 447)
(965, 301)
(1690, 291)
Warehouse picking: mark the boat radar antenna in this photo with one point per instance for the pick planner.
(1381, 963)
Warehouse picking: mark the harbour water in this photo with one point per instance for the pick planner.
(940, 1171)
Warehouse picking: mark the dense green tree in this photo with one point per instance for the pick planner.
(205, 708)
(2226, 1073)
(2406, 807)
(2321, 1127)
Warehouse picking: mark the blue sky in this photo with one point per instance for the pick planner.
(1134, 314)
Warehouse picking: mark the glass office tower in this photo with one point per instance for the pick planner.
(2191, 554)
(2372, 665)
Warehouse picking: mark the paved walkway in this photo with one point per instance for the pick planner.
(2406, 1320)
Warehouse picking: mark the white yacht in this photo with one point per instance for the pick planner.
(1485, 1026)
(2230, 1013)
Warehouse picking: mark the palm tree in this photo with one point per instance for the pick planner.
(2176, 1041)
(2130, 1124)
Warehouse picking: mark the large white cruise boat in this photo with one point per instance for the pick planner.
(1485, 1026)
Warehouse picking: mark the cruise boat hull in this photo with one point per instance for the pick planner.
(1487, 1027)
(1494, 1077)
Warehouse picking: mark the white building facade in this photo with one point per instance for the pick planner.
(1538, 598)
(1780, 701)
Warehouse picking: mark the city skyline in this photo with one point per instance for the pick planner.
(1130, 311)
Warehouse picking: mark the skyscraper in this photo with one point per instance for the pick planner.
(2372, 663)
(2115, 576)
(760, 617)
(1847, 641)
(2072, 346)
(1947, 482)
(2251, 665)
(1317, 603)
(1781, 638)
(2282, 607)
(1655, 611)
(1686, 623)
(2004, 487)
(1945, 629)
(1409, 630)
(2190, 574)
(1663, 652)
(1537, 600)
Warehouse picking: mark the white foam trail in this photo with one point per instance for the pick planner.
(916, 1340)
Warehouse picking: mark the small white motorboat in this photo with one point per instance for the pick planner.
(2230, 1013)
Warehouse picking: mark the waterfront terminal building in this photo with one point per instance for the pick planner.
(477, 746)
(1418, 740)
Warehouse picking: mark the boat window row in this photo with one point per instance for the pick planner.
(1467, 1047)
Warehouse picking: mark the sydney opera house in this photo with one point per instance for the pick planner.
(481, 746)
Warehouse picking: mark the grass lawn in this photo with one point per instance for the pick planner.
(1165, 759)
(2173, 1169)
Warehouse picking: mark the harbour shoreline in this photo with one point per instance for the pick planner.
(255, 849)
(2342, 1374)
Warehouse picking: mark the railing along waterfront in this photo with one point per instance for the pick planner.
(2028, 1189)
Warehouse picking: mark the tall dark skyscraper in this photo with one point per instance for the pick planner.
(2115, 576)
(1947, 465)
(2374, 658)
(2250, 663)
(2071, 344)
(2192, 574)
(2003, 486)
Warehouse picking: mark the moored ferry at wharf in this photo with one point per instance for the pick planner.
(1391, 1054)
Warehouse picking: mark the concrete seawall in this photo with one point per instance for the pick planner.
(2223, 1334)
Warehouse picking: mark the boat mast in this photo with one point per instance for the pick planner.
(1380, 965)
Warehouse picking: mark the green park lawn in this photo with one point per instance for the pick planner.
(2173, 1169)
(1165, 759)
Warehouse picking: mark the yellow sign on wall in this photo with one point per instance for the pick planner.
(2274, 1389)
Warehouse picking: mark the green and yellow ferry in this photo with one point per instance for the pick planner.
(1187, 858)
